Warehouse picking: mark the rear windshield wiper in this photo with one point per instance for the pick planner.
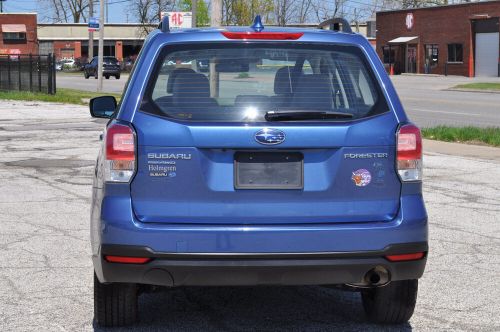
(305, 115)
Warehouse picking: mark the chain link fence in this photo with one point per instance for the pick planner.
(28, 72)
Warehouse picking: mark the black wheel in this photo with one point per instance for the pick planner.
(86, 75)
(391, 304)
(107, 77)
(115, 304)
(117, 77)
(95, 76)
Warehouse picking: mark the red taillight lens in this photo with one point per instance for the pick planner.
(120, 142)
(120, 153)
(406, 257)
(127, 260)
(262, 35)
(409, 153)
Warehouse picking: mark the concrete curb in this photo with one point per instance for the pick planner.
(462, 150)
(471, 90)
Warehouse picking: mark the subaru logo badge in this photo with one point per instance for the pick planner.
(270, 136)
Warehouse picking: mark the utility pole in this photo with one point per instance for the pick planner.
(107, 10)
(91, 33)
(357, 21)
(215, 21)
(194, 9)
(101, 46)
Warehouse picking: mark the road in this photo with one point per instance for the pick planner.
(428, 102)
(426, 99)
(47, 153)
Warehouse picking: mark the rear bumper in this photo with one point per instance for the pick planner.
(206, 269)
(111, 71)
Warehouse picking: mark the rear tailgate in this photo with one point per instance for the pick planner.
(186, 174)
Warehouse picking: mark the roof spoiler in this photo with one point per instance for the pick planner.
(335, 24)
(164, 25)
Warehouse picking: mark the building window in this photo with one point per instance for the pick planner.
(431, 56)
(455, 53)
(14, 36)
(389, 54)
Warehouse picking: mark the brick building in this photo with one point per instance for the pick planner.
(19, 33)
(461, 39)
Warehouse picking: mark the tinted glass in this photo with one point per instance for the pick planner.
(110, 61)
(241, 83)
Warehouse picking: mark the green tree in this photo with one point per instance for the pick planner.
(202, 18)
(242, 12)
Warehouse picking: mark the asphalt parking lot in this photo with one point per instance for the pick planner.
(47, 154)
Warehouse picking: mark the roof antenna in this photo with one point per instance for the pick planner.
(257, 24)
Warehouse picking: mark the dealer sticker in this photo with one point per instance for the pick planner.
(361, 177)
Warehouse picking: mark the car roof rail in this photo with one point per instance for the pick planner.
(164, 25)
(335, 24)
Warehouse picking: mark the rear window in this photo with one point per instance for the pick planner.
(244, 82)
(110, 61)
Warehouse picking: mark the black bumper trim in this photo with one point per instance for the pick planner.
(143, 251)
(235, 269)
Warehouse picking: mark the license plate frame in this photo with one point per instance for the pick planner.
(280, 170)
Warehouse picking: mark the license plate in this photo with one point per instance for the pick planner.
(268, 170)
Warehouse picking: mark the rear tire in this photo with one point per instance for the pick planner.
(391, 304)
(115, 304)
(107, 77)
(86, 76)
(117, 77)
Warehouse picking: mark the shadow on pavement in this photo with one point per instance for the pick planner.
(305, 308)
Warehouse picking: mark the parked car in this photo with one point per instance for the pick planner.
(306, 172)
(111, 67)
(128, 63)
(67, 64)
(59, 65)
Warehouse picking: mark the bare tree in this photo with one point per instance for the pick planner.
(148, 12)
(284, 11)
(67, 11)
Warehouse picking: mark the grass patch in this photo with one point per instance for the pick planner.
(68, 96)
(480, 86)
(243, 75)
(474, 135)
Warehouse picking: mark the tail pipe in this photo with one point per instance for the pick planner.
(376, 277)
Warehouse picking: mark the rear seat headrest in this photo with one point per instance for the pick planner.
(285, 80)
(192, 88)
(173, 75)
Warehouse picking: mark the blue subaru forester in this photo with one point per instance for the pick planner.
(258, 156)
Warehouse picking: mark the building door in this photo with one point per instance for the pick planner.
(411, 59)
(487, 53)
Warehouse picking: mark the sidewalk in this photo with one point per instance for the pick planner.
(463, 150)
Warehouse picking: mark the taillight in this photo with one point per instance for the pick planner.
(262, 35)
(409, 153)
(120, 153)
(127, 259)
(406, 257)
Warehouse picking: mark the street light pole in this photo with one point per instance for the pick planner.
(194, 9)
(215, 21)
(91, 33)
(101, 46)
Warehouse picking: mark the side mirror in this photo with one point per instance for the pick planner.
(102, 107)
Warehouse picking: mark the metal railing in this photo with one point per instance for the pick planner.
(28, 72)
